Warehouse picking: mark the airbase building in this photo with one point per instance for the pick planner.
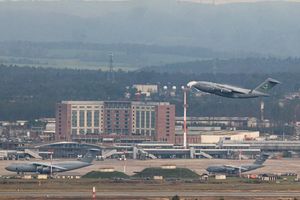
(153, 121)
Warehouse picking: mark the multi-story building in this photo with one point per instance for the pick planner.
(155, 120)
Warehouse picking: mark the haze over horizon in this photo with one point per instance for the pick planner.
(264, 27)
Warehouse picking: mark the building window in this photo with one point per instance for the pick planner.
(153, 119)
(143, 119)
(96, 118)
(138, 119)
(74, 131)
(89, 118)
(81, 118)
(81, 131)
(74, 118)
(147, 119)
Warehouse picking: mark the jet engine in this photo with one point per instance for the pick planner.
(225, 90)
(43, 170)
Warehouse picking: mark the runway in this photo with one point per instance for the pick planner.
(154, 193)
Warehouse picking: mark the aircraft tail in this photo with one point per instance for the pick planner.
(266, 85)
(261, 159)
(89, 156)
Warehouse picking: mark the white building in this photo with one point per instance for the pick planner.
(146, 89)
(238, 135)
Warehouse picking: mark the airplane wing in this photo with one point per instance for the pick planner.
(223, 89)
(230, 88)
(48, 165)
(235, 167)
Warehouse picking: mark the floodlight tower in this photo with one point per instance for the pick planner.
(185, 105)
(262, 109)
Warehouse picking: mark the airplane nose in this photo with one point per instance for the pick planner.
(191, 83)
(8, 168)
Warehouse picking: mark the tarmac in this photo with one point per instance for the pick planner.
(131, 191)
(198, 165)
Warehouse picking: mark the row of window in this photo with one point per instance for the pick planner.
(87, 131)
(145, 119)
(88, 118)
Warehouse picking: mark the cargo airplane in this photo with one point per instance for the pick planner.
(234, 170)
(233, 91)
(48, 168)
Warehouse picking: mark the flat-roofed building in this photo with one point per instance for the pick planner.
(213, 137)
(155, 120)
(146, 89)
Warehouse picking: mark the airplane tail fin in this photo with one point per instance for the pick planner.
(266, 85)
(261, 158)
(89, 156)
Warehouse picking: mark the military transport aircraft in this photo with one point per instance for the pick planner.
(48, 168)
(229, 169)
(233, 91)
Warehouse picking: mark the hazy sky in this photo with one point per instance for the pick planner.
(265, 27)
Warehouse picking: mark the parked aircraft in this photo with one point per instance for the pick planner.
(229, 169)
(47, 168)
(233, 91)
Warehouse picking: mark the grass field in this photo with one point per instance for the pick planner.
(83, 186)
(232, 183)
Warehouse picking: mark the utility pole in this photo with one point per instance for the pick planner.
(94, 193)
(262, 109)
(51, 170)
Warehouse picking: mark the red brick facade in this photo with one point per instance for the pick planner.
(63, 122)
(165, 123)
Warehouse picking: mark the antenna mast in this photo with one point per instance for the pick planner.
(111, 76)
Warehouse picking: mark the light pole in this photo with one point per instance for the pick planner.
(185, 105)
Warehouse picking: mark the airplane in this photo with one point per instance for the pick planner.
(234, 170)
(48, 168)
(233, 91)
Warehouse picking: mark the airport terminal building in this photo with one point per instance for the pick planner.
(111, 119)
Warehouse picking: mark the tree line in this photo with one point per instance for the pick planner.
(32, 92)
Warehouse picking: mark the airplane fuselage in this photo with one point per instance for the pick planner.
(32, 168)
(232, 170)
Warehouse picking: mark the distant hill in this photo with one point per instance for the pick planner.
(267, 28)
(231, 66)
(96, 55)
